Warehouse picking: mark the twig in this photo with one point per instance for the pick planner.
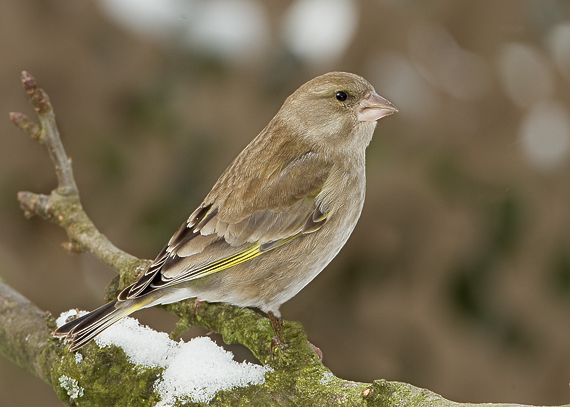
(63, 206)
(49, 135)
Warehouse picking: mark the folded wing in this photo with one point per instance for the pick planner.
(276, 207)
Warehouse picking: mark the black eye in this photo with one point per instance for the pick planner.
(341, 96)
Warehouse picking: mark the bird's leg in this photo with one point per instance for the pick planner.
(278, 339)
(197, 304)
(277, 324)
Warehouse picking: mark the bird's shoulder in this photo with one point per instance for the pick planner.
(272, 203)
(273, 172)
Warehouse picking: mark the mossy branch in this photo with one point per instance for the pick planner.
(104, 376)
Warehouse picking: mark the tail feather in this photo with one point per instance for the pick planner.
(83, 329)
(85, 320)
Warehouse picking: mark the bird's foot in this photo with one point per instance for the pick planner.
(197, 304)
(277, 324)
(278, 340)
(317, 350)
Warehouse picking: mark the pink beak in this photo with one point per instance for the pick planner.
(374, 107)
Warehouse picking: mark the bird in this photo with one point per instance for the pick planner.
(274, 219)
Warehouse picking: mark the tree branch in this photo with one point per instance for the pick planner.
(105, 376)
(63, 206)
(24, 330)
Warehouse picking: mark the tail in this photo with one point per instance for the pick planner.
(81, 330)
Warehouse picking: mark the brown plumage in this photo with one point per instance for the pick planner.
(275, 218)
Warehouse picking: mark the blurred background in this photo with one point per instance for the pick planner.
(457, 277)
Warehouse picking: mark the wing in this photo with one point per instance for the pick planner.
(275, 207)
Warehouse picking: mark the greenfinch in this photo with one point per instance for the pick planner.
(274, 219)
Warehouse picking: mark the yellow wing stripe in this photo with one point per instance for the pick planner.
(231, 261)
(226, 263)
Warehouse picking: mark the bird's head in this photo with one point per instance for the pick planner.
(336, 107)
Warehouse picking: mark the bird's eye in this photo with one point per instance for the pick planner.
(341, 96)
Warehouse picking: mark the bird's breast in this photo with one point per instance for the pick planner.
(343, 195)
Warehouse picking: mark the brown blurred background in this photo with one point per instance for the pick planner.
(457, 277)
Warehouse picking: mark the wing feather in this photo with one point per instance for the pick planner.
(275, 207)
